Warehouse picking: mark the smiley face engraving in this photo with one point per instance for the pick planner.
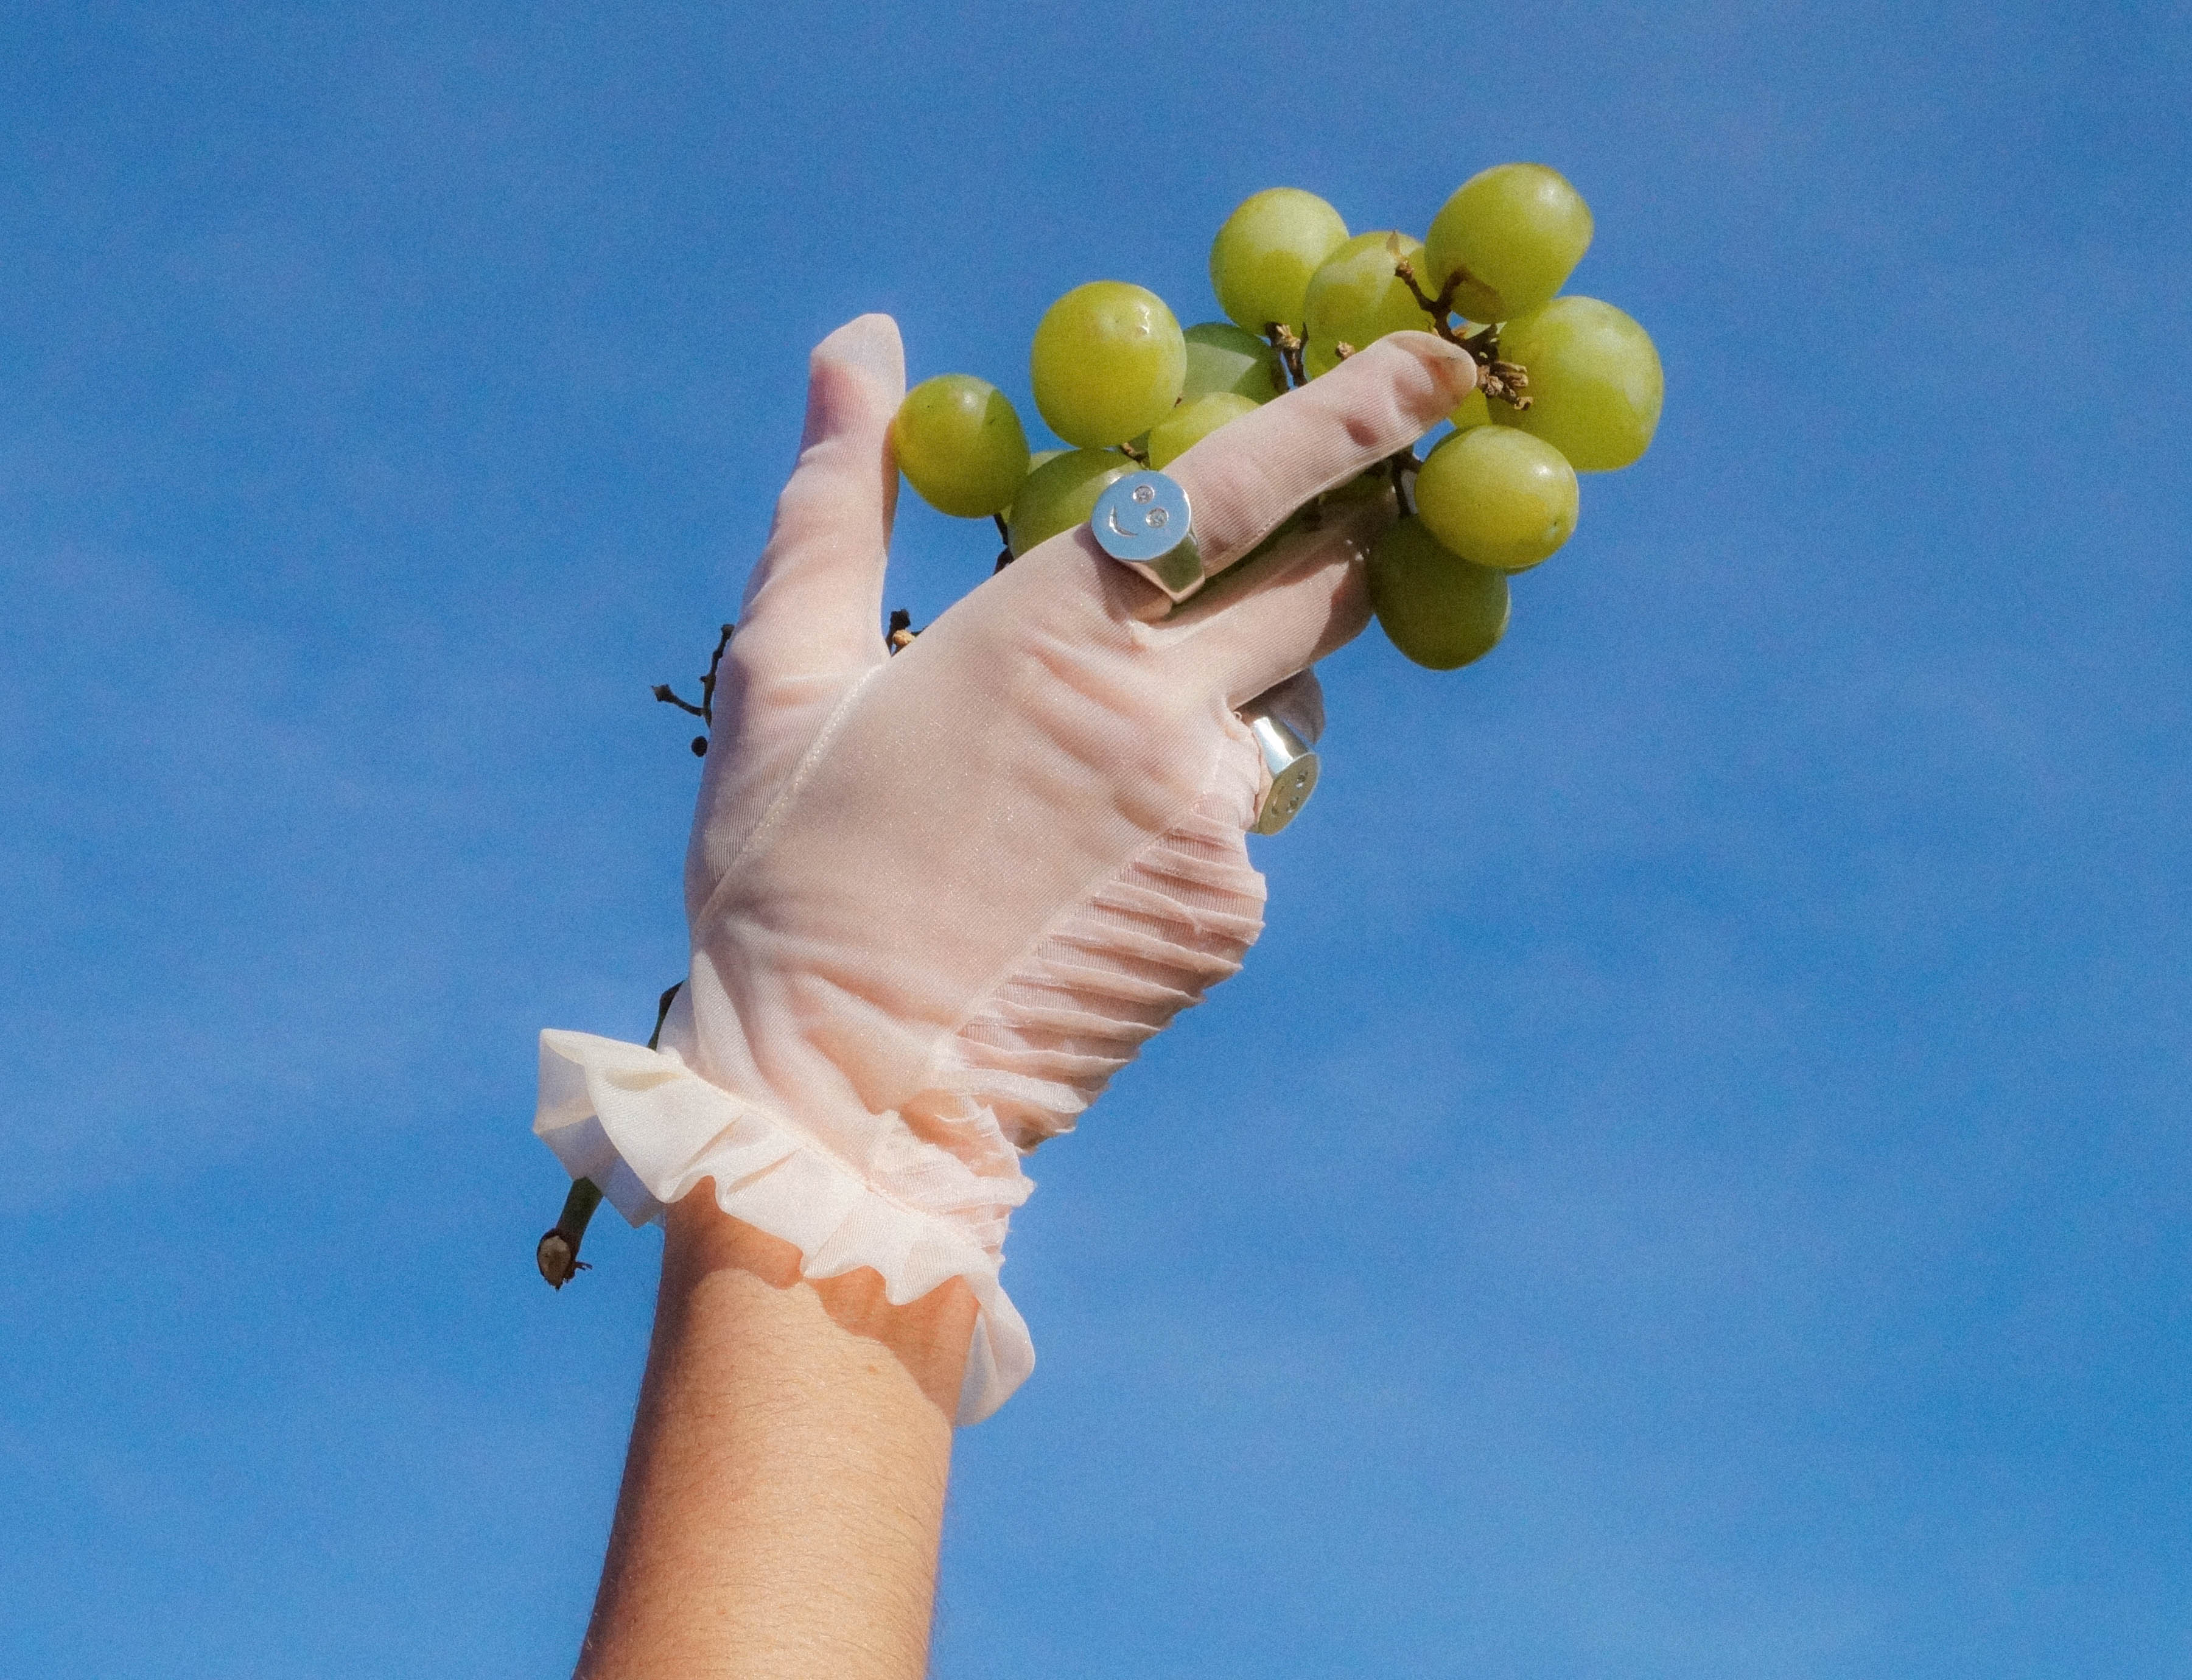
(1144, 520)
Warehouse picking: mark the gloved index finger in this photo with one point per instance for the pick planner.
(1245, 479)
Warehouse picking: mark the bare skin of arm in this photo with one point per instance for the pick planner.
(783, 1496)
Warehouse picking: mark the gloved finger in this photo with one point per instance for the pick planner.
(1298, 703)
(815, 602)
(1297, 706)
(1244, 479)
(1307, 597)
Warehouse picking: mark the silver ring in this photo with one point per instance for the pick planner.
(1143, 522)
(1292, 763)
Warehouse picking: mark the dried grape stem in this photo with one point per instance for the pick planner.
(705, 711)
(558, 1252)
(662, 1014)
(668, 695)
(902, 632)
(1501, 382)
(1282, 340)
(714, 664)
(1438, 308)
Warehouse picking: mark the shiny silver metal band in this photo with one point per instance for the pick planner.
(1143, 522)
(1293, 764)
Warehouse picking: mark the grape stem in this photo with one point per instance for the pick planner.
(1004, 536)
(1441, 308)
(1502, 381)
(557, 1254)
(902, 632)
(705, 711)
(1283, 340)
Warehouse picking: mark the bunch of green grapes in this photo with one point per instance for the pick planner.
(1566, 385)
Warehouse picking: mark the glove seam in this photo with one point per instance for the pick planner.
(773, 815)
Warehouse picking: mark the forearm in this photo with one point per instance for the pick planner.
(785, 1492)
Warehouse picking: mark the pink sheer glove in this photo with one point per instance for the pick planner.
(938, 899)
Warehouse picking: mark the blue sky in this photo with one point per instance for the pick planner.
(1694, 1179)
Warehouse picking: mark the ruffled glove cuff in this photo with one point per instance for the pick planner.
(646, 1128)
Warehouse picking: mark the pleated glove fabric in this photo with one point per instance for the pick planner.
(938, 898)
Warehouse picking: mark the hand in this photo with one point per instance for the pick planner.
(938, 899)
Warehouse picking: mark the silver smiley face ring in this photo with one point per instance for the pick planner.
(1291, 763)
(1143, 521)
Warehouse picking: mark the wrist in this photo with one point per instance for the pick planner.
(750, 1279)
(782, 1502)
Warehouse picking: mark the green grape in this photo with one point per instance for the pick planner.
(1473, 411)
(1498, 497)
(1107, 363)
(1517, 229)
(1221, 356)
(1189, 424)
(1040, 456)
(960, 444)
(1263, 255)
(1595, 383)
(1061, 494)
(1434, 606)
(1356, 297)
